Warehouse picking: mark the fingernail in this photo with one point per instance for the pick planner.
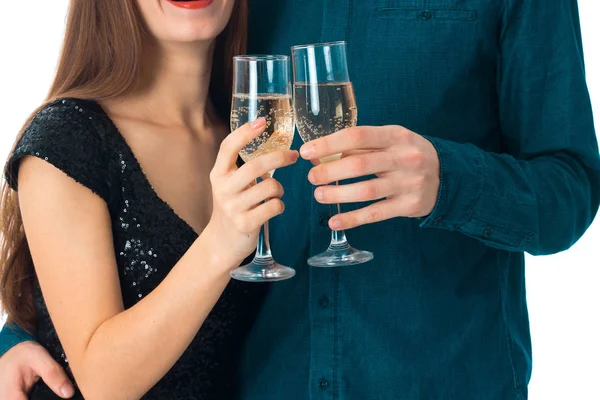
(67, 390)
(311, 177)
(295, 155)
(307, 151)
(257, 123)
(319, 195)
(336, 224)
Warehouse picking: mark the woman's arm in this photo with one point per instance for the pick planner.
(116, 353)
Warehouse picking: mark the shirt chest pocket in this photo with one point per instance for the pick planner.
(422, 49)
(442, 27)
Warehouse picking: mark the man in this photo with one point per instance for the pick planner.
(477, 130)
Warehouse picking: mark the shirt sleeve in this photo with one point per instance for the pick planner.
(543, 193)
(62, 135)
(10, 336)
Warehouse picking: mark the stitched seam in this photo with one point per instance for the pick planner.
(516, 384)
(517, 236)
(471, 209)
(442, 14)
(336, 317)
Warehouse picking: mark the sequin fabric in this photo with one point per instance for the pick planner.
(77, 137)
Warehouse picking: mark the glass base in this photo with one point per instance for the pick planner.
(340, 256)
(262, 270)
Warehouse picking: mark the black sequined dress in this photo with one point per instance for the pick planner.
(78, 137)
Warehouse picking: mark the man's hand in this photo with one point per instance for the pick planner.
(406, 165)
(23, 365)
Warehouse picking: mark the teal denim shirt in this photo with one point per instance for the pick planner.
(10, 336)
(499, 88)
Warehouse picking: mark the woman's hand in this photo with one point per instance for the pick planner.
(237, 210)
(23, 365)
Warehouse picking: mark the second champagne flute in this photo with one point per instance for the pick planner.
(324, 103)
(262, 88)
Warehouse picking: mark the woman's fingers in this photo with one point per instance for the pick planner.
(265, 190)
(234, 143)
(261, 166)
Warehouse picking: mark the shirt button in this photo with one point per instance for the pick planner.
(323, 220)
(488, 232)
(323, 384)
(438, 220)
(323, 302)
(425, 14)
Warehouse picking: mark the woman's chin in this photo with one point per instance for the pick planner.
(186, 21)
(189, 36)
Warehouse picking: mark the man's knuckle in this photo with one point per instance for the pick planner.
(419, 184)
(403, 132)
(374, 214)
(359, 165)
(369, 191)
(412, 206)
(357, 136)
(414, 158)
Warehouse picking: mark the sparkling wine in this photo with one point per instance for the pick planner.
(277, 110)
(324, 109)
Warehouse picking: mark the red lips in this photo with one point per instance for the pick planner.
(191, 4)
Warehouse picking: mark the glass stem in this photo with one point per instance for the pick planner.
(338, 238)
(263, 247)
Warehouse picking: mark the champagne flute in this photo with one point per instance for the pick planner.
(262, 88)
(324, 103)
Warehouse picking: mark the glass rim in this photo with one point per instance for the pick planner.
(261, 57)
(314, 45)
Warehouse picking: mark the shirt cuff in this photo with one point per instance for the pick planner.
(461, 183)
(10, 336)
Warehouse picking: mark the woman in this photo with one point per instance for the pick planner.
(131, 211)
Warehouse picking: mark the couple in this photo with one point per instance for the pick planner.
(477, 145)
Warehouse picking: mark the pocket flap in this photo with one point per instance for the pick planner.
(426, 14)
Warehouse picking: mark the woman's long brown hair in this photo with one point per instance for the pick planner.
(100, 59)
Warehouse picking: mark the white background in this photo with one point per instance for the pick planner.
(563, 289)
